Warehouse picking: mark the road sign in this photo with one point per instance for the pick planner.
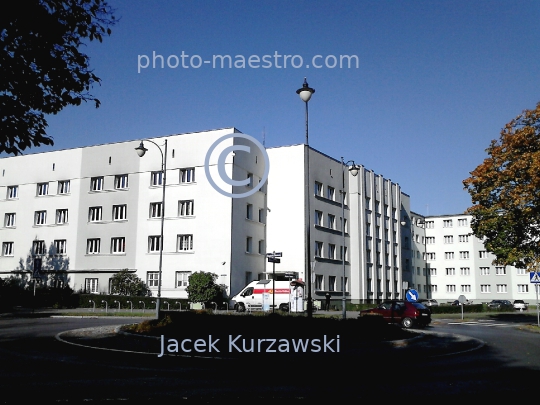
(412, 295)
(274, 254)
(290, 275)
(534, 277)
(462, 299)
(37, 267)
(272, 259)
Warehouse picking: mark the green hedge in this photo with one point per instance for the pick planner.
(456, 309)
(84, 302)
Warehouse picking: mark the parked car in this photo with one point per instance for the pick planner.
(500, 304)
(520, 304)
(407, 314)
(429, 302)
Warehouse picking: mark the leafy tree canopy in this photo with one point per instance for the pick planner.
(41, 68)
(202, 287)
(126, 283)
(505, 191)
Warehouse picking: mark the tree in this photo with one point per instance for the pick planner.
(202, 287)
(41, 68)
(126, 283)
(505, 191)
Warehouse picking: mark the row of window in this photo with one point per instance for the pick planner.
(330, 192)
(466, 271)
(121, 181)
(464, 254)
(330, 222)
(249, 213)
(320, 286)
(182, 281)
(450, 239)
(330, 253)
(486, 288)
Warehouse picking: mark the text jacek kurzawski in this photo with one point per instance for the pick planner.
(240, 344)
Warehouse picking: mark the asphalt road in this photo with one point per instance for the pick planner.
(34, 365)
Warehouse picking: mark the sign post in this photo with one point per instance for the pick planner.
(535, 279)
(273, 258)
(462, 300)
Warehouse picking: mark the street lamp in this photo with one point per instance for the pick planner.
(305, 93)
(141, 150)
(353, 169)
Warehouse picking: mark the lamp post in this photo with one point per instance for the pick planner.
(141, 150)
(305, 93)
(354, 169)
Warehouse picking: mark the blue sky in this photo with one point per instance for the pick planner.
(435, 83)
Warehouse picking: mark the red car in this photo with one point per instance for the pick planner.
(407, 314)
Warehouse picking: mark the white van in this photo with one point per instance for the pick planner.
(260, 295)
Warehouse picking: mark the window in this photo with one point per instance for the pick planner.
(154, 243)
(182, 279)
(331, 193)
(448, 239)
(121, 181)
(61, 216)
(462, 222)
(96, 183)
(447, 223)
(249, 240)
(12, 192)
(40, 217)
(482, 254)
(261, 247)
(502, 288)
(185, 243)
(38, 247)
(464, 255)
(42, 189)
(118, 245)
(318, 249)
(345, 286)
(331, 221)
(7, 249)
(9, 220)
(368, 203)
(319, 282)
(63, 187)
(431, 256)
(60, 246)
(450, 271)
(465, 271)
(430, 240)
(93, 246)
(331, 251)
(448, 255)
(432, 272)
(249, 211)
(94, 214)
(318, 218)
(341, 253)
(156, 178)
(119, 212)
(430, 224)
(152, 278)
(91, 285)
(521, 272)
(522, 288)
(465, 288)
(261, 215)
(484, 271)
(156, 210)
(318, 189)
(450, 288)
(433, 288)
(500, 271)
(186, 208)
(331, 283)
(463, 238)
(187, 175)
(485, 288)
(250, 180)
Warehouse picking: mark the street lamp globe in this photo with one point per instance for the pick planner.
(141, 150)
(305, 91)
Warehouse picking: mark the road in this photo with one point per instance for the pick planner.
(34, 365)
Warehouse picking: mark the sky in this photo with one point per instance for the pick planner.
(435, 81)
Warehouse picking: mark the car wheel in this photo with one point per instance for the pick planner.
(407, 323)
(240, 308)
(284, 308)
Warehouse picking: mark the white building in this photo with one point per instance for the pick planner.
(459, 264)
(91, 212)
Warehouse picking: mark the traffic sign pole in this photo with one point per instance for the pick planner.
(537, 309)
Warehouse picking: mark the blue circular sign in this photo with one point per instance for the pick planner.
(412, 295)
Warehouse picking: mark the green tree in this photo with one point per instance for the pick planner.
(41, 68)
(202, 288)
(505, 191)
(126, 283)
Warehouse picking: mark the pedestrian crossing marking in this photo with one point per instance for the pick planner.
(535, 277)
